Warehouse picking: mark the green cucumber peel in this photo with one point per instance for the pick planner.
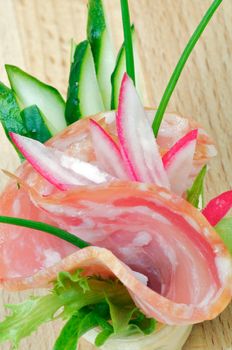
(130, 67)
(99, 38)
(83, 302)
(224, 229)
(72, 50)
(10, 117)
(29, 91)
(195, 195)
(72, 109)
(116, 77)
(10, 112)
(35, 125)
(28, 122)
(96, 27)
(83, 97)
(180, 65)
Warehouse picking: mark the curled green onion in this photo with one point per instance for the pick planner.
(41, 226)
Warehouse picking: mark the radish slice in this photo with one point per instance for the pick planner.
(138, 144)
(178, 161)
(218, 207)
(59, 169)
(107, 152)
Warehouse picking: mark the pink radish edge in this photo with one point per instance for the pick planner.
(178, 146)
(119, 124)
(19, 142)
(94, 124)
(111, 149)
(218, 207)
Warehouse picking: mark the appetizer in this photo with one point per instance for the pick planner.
(107, 208)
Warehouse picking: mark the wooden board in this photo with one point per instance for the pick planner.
(35, 34)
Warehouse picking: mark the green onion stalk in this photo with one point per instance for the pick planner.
(180, 65)
(130, 67)
(41, 226)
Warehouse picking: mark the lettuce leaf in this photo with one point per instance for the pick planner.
(26, 317)
(224, 229)
(85, 303)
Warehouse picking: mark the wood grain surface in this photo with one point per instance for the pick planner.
(35, 34)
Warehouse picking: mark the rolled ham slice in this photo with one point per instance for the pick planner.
(151, 231)
(136, 228)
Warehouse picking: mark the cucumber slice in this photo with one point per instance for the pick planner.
(10, 113)
(120, 69)
(102, 48)
(72, 51)
(116, 77)
(84, 97)
(35, 124)
(29, 91)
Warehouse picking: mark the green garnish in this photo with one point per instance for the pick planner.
(224, 229)
(41, 226)
(72, 49)
(99, 38)
(81, 322)
(34, 124)
(29, 91)
(119, 70)
(130, 67)
(68, 337)
(83, 86)
(72, 110)
(10, 114)
(96, 26)
(195, 195)
(84, 302)
(180, 65)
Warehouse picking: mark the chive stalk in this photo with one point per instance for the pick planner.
(41, 226)
(130, 67)
(180, 65)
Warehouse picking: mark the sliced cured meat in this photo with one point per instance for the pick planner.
(154, 233)
(22, 252)
(149, 229)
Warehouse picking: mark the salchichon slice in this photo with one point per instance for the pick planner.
(132, 220)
